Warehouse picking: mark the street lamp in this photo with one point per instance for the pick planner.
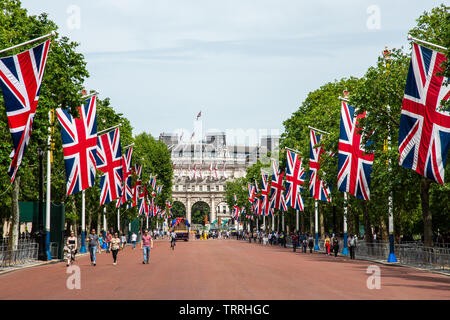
(41, 234)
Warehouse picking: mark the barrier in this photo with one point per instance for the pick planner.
(24, 252)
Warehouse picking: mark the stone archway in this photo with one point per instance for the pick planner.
(199, 210)
(179, 209)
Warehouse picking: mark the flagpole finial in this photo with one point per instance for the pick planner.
(345, 93)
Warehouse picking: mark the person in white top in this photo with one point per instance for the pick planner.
(133, 240)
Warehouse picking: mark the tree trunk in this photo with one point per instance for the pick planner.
(89, 222)
(383, 229)
(322, 226)
(14, 223)
(99, 222)
(368, 228)
(302, 222)
(356, 224)
(349, 219)
(426, 213)
(74, 221)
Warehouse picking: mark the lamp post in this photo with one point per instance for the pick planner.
(41, 234)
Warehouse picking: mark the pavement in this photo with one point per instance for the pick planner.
(223, 270)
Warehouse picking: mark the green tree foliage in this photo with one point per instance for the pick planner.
(62, 86)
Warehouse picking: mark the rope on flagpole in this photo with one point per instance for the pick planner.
(6, 189)
(51, 34)
(411, 38)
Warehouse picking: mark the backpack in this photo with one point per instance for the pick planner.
(335, 242)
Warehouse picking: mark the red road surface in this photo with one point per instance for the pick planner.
(222, 270)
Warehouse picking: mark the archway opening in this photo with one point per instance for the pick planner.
(178, 209)
(200, 213)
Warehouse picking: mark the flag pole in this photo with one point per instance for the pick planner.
(411, 38)
(49, 173)
(316, 225)
(128, 146)
(343, 99)
(83, 222)
(51, 34)
(345, 249)
(293, 150)
(109, 129)
(315, 129)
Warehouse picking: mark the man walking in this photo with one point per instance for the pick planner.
(294, 241)
(133, 240)
(352, 246)
(146, 244)
(93, 245)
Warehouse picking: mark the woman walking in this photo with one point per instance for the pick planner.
(327, 245)
(100, 242)
(71, 248)
(115, 246)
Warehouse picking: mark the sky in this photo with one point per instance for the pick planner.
(245, 64)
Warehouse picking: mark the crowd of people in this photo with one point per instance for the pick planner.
(112, 242)
(305, 241)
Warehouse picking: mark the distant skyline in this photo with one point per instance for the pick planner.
(243, 64)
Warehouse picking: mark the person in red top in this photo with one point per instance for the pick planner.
(146, 244)
(108, 241)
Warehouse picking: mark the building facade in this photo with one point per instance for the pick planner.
(203, 166)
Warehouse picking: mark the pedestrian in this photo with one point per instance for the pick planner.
(335, 243)
(173, 239)
(304, 243)
(115, 246)
(71, 248)
(123, 241)
(146, 244)
(93, 245)
(133, 240)
(310, 243)
(108, 241)
(352, 246)
(294, 241)
(100, 242)
(327, 245)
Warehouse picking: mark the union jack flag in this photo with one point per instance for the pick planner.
(79, 140)
(295, 179)
(135, 198)
(424, 135)
(316, 186)
(265, 196)
(109, 161)
(251, 193)
(276, 186)
(127, 192)
(138, 171)
(143, 206)
(354, 165)
(169, 207)
(21, 77)
(152, 182)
